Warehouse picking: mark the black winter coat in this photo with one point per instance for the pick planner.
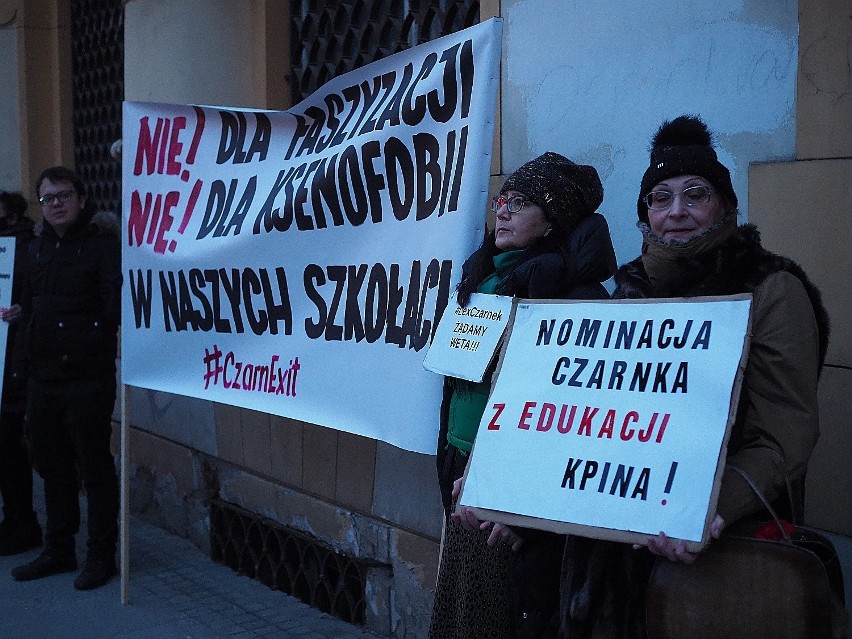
(14, 388)
(71, 301)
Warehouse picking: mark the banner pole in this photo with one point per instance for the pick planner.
(124, 525)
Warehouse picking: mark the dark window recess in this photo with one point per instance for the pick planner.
(289, 561)
(97, 49)
(331, 37)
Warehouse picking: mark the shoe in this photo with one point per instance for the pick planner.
(43, 566)
(19, 539)
(95, 573)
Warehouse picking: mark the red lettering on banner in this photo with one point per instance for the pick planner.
(493, 425)
(525, 415)
(157, 150)
(585, 427)
(225, 370)
(594, 421)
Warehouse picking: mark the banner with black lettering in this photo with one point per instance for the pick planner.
(609, 419)
(297, 262)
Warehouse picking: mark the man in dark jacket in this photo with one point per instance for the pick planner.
(71, 309)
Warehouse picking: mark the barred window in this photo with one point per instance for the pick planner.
(97, 48)
(331, 37)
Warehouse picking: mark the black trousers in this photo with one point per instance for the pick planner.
(451, 466)
(16, 471)
(70, 425)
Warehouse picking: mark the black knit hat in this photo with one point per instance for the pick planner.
(684, 146)
(565, 191)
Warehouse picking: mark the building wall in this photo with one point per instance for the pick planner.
(212, 52)
(595, 80)
(803, 208)
(38, 94)
(10, 141)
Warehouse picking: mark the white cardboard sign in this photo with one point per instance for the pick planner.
(467, 338)
(7, 271)
(608, 419)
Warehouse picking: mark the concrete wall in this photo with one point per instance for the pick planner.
(595, 80)
(804, 209)
(191, 52)
(824, 89)
(35, 68)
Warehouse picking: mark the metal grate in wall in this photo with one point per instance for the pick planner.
(331, 37)
(97, 45)
(289, 561)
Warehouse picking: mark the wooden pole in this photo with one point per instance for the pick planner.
(124, 531)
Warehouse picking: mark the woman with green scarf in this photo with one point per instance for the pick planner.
(547, 243)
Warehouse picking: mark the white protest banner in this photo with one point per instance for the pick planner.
(467, 338)
(607, 419)
(297, 262)
(7, 272)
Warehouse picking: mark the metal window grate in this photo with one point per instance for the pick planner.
(331, 37)
(289, 561)
(97, 45)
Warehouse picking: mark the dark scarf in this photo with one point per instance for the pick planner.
(735, 264)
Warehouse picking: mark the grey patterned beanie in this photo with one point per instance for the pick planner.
(565, 191)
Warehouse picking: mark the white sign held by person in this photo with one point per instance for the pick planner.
(297, 262)
(609, 419)
(7, 272)
(467, 337)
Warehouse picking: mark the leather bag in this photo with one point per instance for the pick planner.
(759, 581)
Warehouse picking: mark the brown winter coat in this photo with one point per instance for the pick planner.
(773, 435)
(777, 423)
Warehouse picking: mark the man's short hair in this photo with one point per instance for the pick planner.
(62, 174)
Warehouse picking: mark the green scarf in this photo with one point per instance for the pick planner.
(469, 399)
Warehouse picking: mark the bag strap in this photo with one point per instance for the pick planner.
(765, 501)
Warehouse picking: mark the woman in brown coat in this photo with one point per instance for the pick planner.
(692, 246)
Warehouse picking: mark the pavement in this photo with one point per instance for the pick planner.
(175, 591)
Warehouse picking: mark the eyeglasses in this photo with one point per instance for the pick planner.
(52, 198)
(514, 204)
(691, 196)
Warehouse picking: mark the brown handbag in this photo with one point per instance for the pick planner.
(747, 586)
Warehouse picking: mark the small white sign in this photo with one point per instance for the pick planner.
(609, 419)
(7, 270)
(467, 337)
